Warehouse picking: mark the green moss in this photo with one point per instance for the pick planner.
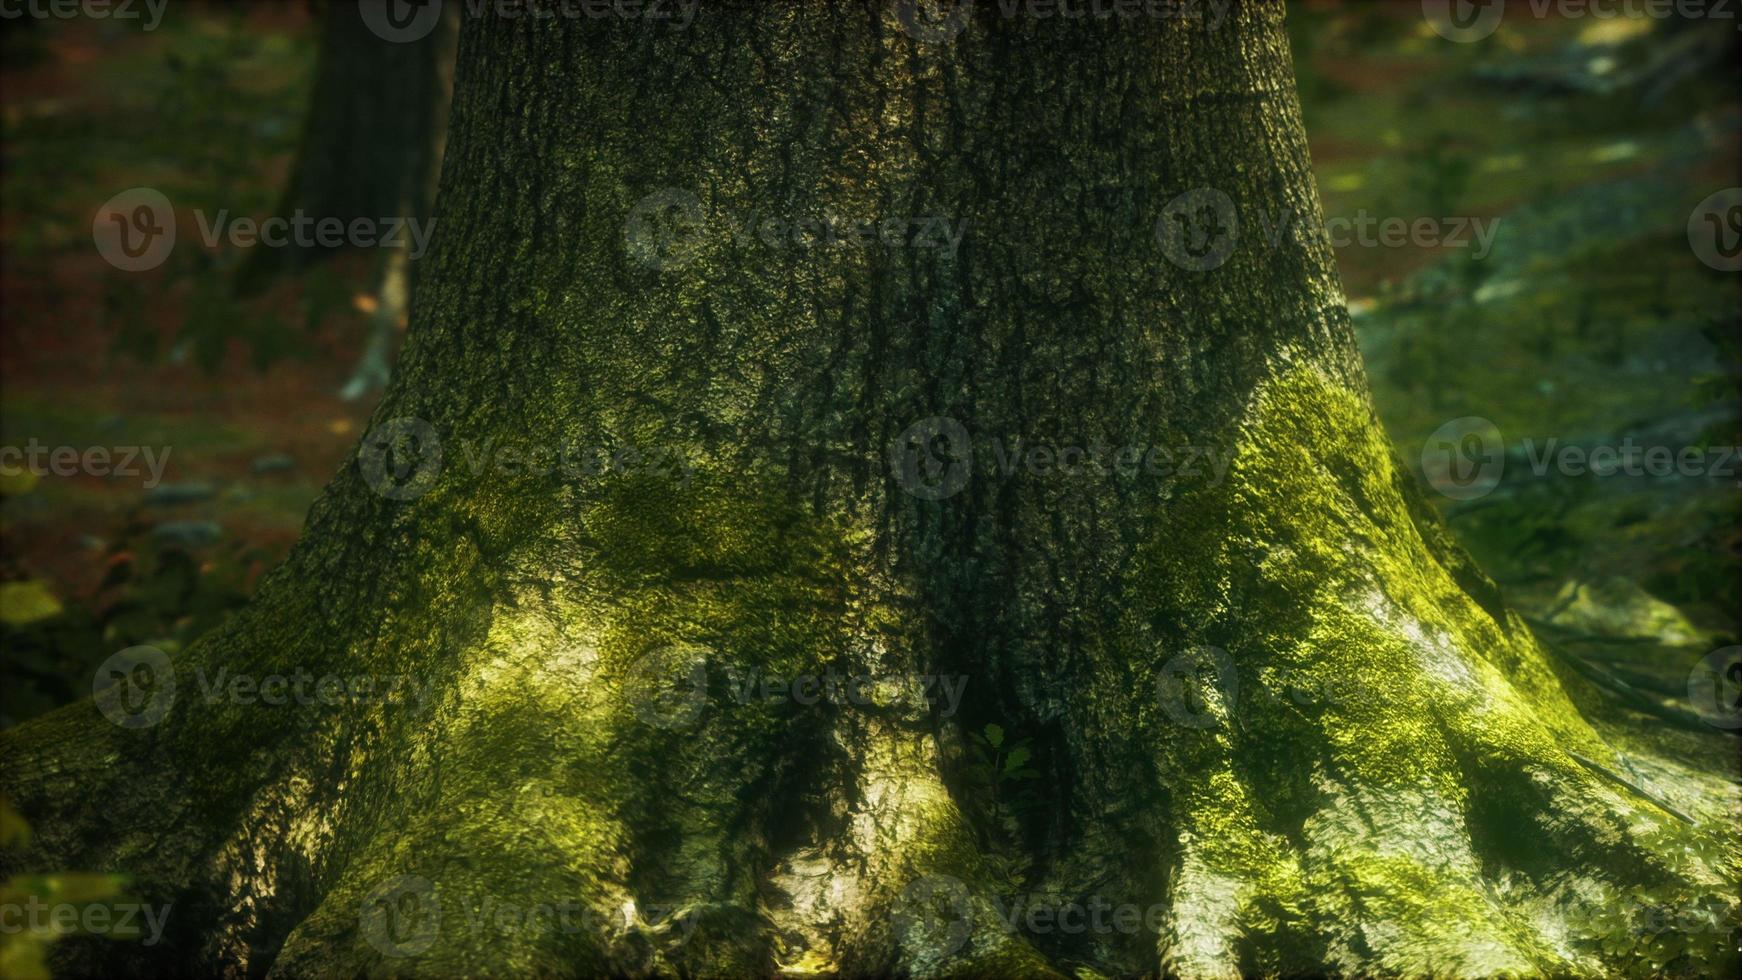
(1312, 567)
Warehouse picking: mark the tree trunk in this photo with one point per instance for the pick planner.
(372, 149)
(372, 141)
(1270, 708)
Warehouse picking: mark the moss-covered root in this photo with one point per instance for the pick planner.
(486, 853)
(1396, 781)
(902, 890)
(528, 834)
(580, 803)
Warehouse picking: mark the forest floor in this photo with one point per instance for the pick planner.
(1587, 319)
(1589, 322)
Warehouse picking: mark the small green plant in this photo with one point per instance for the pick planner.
(1673, 928)
(1003, 778)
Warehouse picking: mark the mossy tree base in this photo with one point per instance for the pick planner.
(1262, 716)
(1391, 779)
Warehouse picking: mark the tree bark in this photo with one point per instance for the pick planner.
(820, 486)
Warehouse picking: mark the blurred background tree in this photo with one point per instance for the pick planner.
(372, 149)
